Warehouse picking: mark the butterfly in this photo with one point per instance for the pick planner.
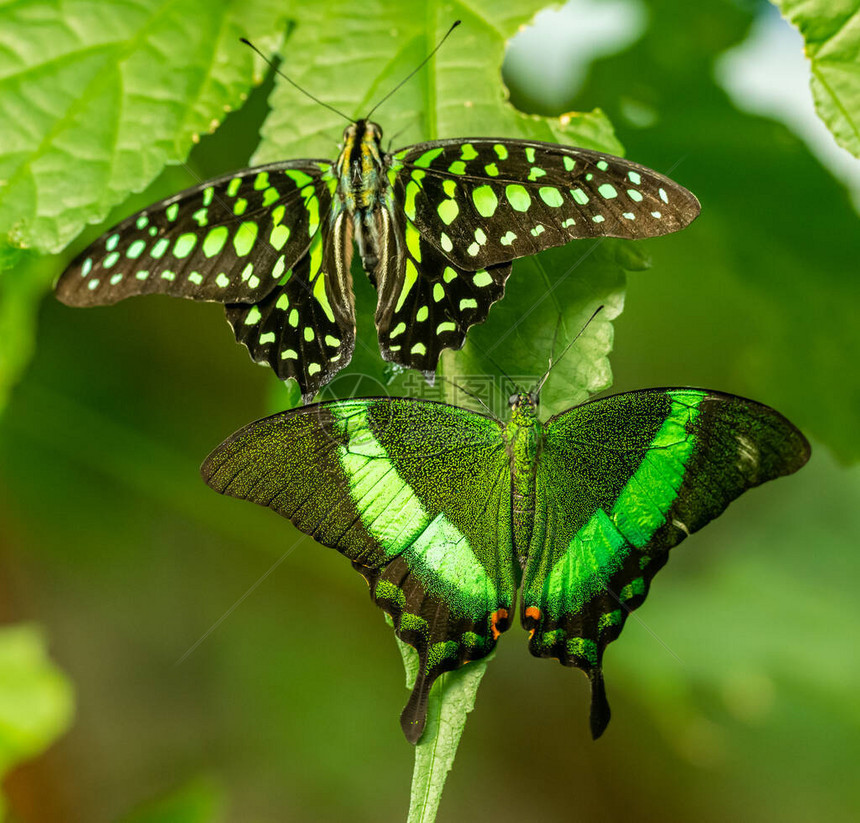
(448, 513)
(436, 225)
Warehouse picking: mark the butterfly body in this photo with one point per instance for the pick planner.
(363, 188)
(523, 436)
(448, 514)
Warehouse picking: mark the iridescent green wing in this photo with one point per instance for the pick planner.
(228, 240)
(622, 480)
(426, 302)
(482, 201)
(305, 327)
(415, 494)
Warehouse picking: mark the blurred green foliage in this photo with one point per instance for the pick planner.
(36, 699)
(199, 801)
(733, 691)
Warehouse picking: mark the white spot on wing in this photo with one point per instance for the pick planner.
(747, 452)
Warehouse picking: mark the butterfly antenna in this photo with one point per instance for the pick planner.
(293, 82)
(553, 364)
(471, 394)
(416, 69)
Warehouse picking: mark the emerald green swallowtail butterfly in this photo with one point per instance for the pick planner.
(436, 225)
(448, 513)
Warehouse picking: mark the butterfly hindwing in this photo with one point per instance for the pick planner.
(483, 201)
(305, 327)
(621, 481)
(415, 494)
(227, 240)
(426, 302)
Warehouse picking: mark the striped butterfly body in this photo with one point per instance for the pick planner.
(436, 226)
(448, 513)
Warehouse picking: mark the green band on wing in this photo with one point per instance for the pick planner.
(642, 505)
(599, 548)
(594, 554)
(436, 551)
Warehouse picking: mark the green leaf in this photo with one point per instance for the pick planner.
(356, 63)
(199, 801)
(451, 699)
(831, 31)
(36, 700)
(548, 301)
(104, 95)
(21, 291)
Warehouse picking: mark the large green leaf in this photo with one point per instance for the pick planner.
(549, 300)
(104, 95)
(36, 700)
(354, 64)
(831, 30)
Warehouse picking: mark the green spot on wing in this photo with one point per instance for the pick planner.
(518, 197)
(245, 237)
(551, 196)
(184, 245)
(448, 211)
(160, 248)
(428, 157)
(215, 240)
(485, 200)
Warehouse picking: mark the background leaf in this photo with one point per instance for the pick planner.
(199, 801)
(366, 55)
(831, 31)
(757, 296)
(104, 95)
(36, 699)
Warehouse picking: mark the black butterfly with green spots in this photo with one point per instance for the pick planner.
(436, 224)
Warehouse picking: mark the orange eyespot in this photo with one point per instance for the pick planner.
(495, 618)
(534, 613)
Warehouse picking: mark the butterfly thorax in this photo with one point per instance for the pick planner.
(523, 438)
(363, 185)
(361, 166)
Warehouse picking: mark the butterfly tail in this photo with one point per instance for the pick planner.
(600, 712)
(413, 718)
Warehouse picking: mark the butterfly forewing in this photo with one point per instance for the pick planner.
(621, 481)
(305, 327)
(228, 240)
(416, 494)
(483, 201)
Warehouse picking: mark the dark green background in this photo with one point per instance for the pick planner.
(733, 696)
